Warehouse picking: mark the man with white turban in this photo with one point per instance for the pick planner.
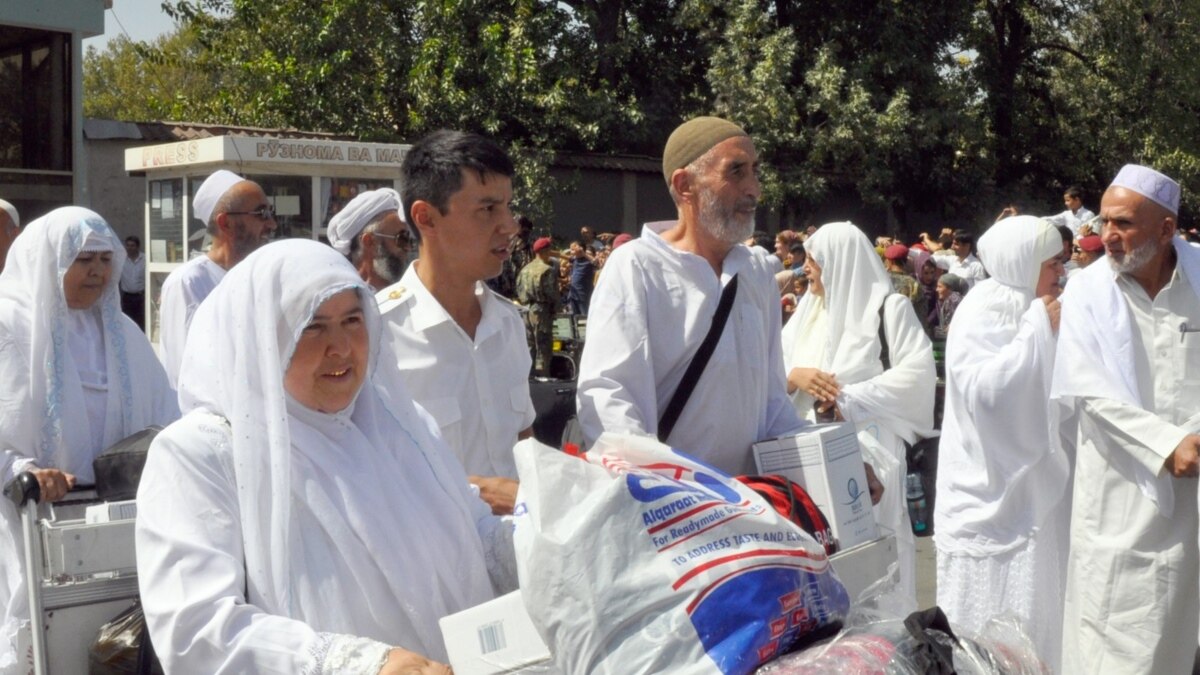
(657, 299)
(240, 219)
(371, 232)
(461, 347)
(1128, 364)
(1003, 478)
(10, 227)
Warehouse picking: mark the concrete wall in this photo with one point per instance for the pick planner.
(114, 194)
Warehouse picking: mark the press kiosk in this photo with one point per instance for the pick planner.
(307, 181)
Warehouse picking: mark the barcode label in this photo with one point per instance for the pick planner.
(491, 637)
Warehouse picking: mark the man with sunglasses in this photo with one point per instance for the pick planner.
(239, 219)
(371, 232)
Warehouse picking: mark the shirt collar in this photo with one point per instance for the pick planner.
(734, 261)
(427, 312)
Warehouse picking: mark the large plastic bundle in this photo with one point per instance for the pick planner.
(647, 560)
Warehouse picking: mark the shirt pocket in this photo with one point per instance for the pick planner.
(444, 410)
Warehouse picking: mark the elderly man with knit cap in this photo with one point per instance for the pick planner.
(371, 232)
(1128, 364)
(658, 297)
(10, 227)
(240, 219)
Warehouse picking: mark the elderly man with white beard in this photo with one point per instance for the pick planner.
(658, 297)
(1128, 363)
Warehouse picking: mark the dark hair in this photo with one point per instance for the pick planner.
(134, 238)
(524, 223)
(432, 169)
(797, 247)
(945, 240)
(763, 239)
(964, 237)
(1065, 233)
(1074, 192)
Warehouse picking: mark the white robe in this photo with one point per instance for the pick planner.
(64, 400)
(1002, 475)
(182, 292)
(839, 333)
(1133, 596)
(650, 312)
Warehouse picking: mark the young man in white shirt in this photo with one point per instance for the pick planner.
(965, 265)
(460, 347)
(133, 282)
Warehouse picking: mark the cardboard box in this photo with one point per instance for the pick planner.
(495, 637)
(826, 460)
(860, 566)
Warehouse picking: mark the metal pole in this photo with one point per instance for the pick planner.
(33, 577)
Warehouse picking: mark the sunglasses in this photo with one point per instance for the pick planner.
(401, 239)
(262, 213)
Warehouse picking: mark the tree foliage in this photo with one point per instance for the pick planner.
(920, 113)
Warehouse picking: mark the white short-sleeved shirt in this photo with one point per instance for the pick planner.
(477, 390)
(133, 275)
(182, 293)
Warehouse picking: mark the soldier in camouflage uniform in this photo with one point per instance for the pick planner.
(537, 290)
(904, 283)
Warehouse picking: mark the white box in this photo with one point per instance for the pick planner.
(495, 637)
(826, 460)
(860, 566)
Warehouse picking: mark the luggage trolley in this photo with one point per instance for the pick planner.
(80, 571)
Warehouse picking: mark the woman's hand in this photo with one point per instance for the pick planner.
(817, 384)
(1054, 310)
(403, 662)
(54, 484)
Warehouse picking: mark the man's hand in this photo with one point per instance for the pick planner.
(1184, 460)
(499, 493)
(54, 484)
(1054, 309)
(873, 484)
(403, 662)
(817, 384)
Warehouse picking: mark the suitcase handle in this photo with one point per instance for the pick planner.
(23, 489)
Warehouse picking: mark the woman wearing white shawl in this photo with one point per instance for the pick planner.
(832, 352)
(282, 532)
(1002, 475)
(77, 375)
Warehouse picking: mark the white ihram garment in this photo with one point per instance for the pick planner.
(1003, 477)
(73, 381)
(182, 293)
(1133, 373)
(349, 532)
(650, 312)
(477, 389)
(839, 333)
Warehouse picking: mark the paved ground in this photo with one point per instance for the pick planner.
(926, 573)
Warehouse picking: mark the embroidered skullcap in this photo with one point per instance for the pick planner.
(211, 190)
(693, 138)
(355, 215)
(1150, 184)
(12, 212)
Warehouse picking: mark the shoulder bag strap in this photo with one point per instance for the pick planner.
(696, 368)
(884, 353)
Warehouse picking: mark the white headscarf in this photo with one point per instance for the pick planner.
(1003, 470)
(355, 215)
(373, 477)
(855, 287)
(44, 411)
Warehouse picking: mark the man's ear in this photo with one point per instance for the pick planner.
(224, 227)
(682, 182)
(1169, 228)
(423, 217)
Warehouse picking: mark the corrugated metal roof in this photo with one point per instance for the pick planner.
(170, 132)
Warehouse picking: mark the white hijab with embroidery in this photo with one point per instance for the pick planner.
(372, 478)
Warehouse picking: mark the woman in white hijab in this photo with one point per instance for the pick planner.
(76, 375)
(303, 516)
(1003, 506)
(832, 352)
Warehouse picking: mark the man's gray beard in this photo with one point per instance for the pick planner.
(387, 266)
(722, 223)
(1134, 260)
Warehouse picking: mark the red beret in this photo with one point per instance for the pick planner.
(1091, 243)
(543, 242)
(896, 252)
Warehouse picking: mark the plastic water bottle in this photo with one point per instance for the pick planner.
(918, 510)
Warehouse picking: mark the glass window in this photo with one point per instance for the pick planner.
(336, 192)
(166, 220)
(35, 112)
(292, 198)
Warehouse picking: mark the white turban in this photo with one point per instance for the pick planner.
(12, 212)
(1150, 184)
(354, 216)
(211, 190)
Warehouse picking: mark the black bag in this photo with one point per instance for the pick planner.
(119, 467)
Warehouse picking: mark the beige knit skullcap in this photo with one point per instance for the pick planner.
(693, 138)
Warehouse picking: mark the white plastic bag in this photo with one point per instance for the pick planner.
(637, 558)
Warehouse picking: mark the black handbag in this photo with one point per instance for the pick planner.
(119, 467)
